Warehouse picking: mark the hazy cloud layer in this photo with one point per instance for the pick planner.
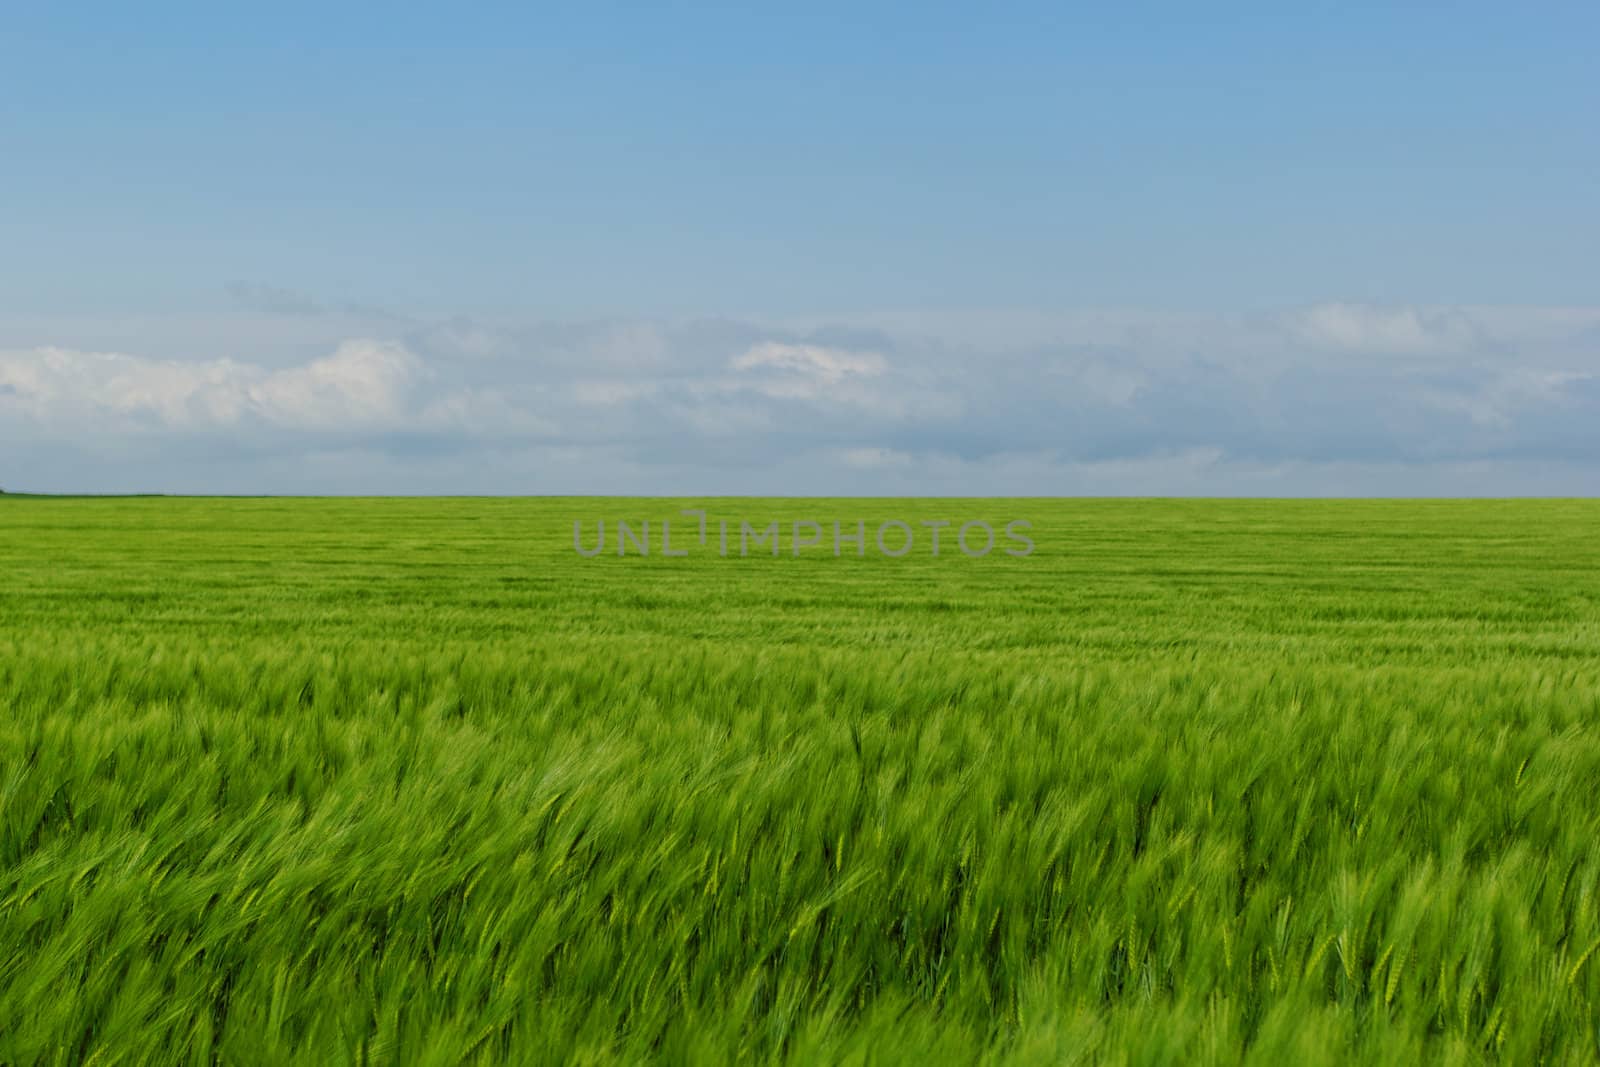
(1332, 399)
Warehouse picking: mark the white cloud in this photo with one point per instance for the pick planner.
(362, 386)
(806, 371)
(364, 383)
(827, 364)
(1386, 330)
(1079, 401)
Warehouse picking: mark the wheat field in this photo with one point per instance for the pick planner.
(414, 781)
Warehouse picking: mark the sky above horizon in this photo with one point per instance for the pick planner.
(842, 249)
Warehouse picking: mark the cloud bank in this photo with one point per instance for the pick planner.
(1336, 399)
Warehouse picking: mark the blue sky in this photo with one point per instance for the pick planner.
(842, 248)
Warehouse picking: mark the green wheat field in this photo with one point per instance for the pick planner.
(412, 781)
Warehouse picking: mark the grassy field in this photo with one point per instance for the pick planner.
(388, 781)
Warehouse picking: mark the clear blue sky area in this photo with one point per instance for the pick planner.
(729, 159)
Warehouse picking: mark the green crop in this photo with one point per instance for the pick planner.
(412, 781)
